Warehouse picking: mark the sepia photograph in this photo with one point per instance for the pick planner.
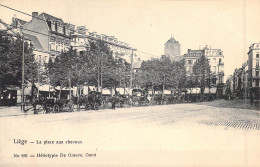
(114, 83)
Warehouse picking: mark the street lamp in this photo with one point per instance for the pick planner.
(22, 103)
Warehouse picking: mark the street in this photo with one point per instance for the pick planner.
(170, 135)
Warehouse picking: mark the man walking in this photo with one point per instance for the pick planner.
(113, 101)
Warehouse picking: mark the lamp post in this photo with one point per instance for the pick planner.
(131, 76)
(22, 103)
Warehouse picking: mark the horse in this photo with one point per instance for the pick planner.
(92, 101)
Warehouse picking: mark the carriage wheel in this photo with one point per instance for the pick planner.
(56, 108)
(86, 106)
(70, 107)
(96, 106)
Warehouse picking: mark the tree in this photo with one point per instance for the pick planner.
(11, 61)
(58, 71)
(101, 63)
(201, 71)
(161, 73)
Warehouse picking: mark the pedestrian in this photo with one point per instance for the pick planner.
(252, 100)
(113, 100)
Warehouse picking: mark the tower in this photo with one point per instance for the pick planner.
(172, 49)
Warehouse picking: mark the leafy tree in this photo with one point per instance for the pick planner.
(201, 71)
(100, 59)
(11, 49)
(59, 70)
(159, 73)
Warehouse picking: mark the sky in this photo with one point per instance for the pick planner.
(231, 25)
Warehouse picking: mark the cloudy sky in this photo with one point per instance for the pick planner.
(146, 25)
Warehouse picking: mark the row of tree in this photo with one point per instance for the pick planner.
(95, 67)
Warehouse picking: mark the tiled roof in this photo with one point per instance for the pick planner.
(22, 22)
(47, 16)
(172, 40)
(35, 41)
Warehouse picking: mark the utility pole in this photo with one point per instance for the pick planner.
(101, 73)
(23, 110)
(38, 75)
(163, 86)
(69, 85)
(131, 75)
(98, 64)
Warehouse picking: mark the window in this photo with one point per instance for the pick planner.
(257, 63)
(56, 26)
(40, 58)
(189, 62)
(59, 48)
(45, 59)
(257, 55)
(257, 83)
(214, 81)
(214, 69)
(257, 73)
(64, 30)
(220, 60)
(52, 46)
(49, 24)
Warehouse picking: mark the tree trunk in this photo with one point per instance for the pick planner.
(78, 97)
(60, 91)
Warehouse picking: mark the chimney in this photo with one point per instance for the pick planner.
(14, 22)
(34, 14)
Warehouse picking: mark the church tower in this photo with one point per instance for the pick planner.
(172, 49)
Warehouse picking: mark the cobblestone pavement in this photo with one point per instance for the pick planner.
(192, 134)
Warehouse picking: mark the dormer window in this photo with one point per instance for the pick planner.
(56, 25)
(64, 30)
(49, 24)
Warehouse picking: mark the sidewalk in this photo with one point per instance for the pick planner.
(14, 111)
(239, 103)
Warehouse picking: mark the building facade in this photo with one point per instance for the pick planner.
(172, 49)
(216, 62)
(190, 59)
(215, 58)
(253, 70)
(52, 33)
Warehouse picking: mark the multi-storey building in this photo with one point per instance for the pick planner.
(229, 84)
(216, 61)
(215, 58)
(79, 40)
(172, 49)
(253, 70)
(52, 33)
(190, 59)
(17, 24)
(245, 79)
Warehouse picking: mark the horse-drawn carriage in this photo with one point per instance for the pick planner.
(52, 105)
